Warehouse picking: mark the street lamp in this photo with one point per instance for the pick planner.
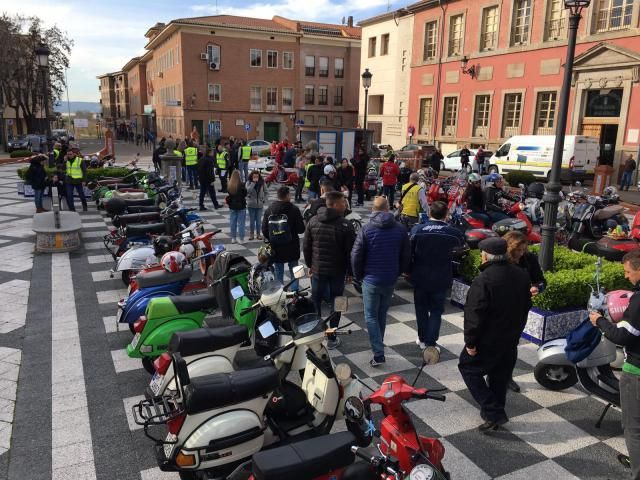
(42, 58)
(551, 197)
(366, 83)
(471, 71)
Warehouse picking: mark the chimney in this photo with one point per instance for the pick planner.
(350, 21)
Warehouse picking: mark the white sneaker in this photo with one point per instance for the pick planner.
(241, 241)
(420, 344)
(233, 240)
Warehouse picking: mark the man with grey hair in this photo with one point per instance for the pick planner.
(495, 314)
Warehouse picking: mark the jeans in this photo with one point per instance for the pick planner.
(327, 288)
(207, 188)
(279, 271)
(429, 310)
(192, 172)
(496, 216)
(37, 197)
(78, 188)
(627, 177)
(376, 303)
(184, 173)
(311, 195)
(630, 404)
(237, 219)
(243, 168)
(389, 191)
(255, 220)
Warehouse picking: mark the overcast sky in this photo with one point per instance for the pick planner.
(109, 33)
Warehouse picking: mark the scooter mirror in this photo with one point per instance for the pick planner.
(341, 304)
(354, 409)
(578, 184)
(430, 356)
(299, 271)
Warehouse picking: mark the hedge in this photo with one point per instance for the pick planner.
(568, 283)
(516, 177)
(20, 154)
(92, 173)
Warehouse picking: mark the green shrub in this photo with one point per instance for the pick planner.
(20, 154)
(265, 152)
(92, 173)
(516, 177)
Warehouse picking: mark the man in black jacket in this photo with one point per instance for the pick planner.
(495, 314)
(206, 176)
(360, 163)
(287, 253)
(327, 252)
(314, 173)
(627, 333)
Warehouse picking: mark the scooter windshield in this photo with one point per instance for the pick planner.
(306, 323)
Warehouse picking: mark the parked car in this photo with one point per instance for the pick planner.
(37, 143)
(59, 134)
(415, 150)
(382, 149)
(18, 142)
(258, 146)
(452, 161)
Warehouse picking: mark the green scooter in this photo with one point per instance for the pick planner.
(165, 316)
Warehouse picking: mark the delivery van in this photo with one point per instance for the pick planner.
(534, 153)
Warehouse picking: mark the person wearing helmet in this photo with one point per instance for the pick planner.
(474, 198)
(493, 193)
(331, 175)
(626, 333)
(174, 262)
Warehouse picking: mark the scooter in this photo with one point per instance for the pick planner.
(556, 372)
(282, 176)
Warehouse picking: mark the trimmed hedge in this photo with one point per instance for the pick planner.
(20, 154)
(516, 177)
(568, 284)
(92, 173)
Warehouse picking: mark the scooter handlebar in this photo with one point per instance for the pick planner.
(278, 351)
(432, 396)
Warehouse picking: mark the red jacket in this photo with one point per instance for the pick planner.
(389, 172)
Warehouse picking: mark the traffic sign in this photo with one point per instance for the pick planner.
(247, 127)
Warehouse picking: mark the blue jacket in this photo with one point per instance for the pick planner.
(432, 244)
(381, 251)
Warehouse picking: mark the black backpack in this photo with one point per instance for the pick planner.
(279, 230)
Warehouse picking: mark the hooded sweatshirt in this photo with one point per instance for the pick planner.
(381, 251)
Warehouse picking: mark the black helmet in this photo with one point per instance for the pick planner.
(536, 189)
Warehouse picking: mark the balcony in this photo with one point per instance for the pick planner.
(481, 132)
(545, 131)
(510, 131)
(555, 29)
(449, 131)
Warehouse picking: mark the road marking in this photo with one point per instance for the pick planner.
(9, 368)
(71, 428)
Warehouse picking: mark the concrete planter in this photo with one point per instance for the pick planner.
(542, 325)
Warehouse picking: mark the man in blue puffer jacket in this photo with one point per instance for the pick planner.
(380, 253)
(432, 245)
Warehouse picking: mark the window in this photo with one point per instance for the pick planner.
(482, 110)
(287, 60)
(545, 113)
(338, 67)
(324, 66)
(450, 116)
(455, 35)
(256, 98)
(489, 35)
(337, 121)
(272, 99)
(323, 94)
(309, 65)
(372, 47)
(426, 112)
(555, 26)
(287, 99)
(338, 98)
(384, 44)
(213, 55)
(308, 95)
(511, 114)
(376, 104)
(322, 120)
(272, 59)
(520, 23)
(430, 33)
(255, 57)
(613, 15)
(215, 92)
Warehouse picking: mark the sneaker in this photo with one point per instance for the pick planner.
(251, 237)
(233, 240)
(374, 362)
(420, 344)
(334, 343)
(241, 241)
(259, 237)
(203, 209)
(513, 386)
(217, 206)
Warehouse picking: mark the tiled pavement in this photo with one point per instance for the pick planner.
(550, 435)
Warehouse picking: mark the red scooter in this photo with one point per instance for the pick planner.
(282, 176)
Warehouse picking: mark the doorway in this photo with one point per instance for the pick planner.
(271, 131)
(199, 124)
(606, 134)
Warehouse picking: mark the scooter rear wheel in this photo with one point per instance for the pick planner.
(555, 377)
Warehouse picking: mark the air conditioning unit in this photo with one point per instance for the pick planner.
(214, 66)
(160, 75)
(203, 56)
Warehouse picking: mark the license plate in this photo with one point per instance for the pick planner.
(156, 383)
(168, 447)
(135, 341)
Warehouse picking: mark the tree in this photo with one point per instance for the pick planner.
(20, 79)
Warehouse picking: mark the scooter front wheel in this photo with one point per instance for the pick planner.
(555, 377)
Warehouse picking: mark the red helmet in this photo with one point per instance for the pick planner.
(174, 261)
(616, 303)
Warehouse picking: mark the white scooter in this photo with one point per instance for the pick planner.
(218, 421)
(556, 372)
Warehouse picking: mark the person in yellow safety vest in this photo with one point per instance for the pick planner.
(243, 164)
(413, 201)
(75, 173)
(222, 167)
(191, 162)
(56, 153)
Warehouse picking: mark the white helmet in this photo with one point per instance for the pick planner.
(173, 262)
(187, 249)
(328, 169)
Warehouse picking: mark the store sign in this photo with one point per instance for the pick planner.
(604, 103)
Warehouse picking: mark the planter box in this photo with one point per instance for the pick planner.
(542, 325)
(28, 190)
(20, 186)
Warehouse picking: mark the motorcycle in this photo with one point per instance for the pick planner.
(282, 176)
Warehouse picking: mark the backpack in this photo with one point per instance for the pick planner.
(279, 230)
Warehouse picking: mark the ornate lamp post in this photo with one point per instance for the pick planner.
(366, 83)
(42, 59)
(552, 192)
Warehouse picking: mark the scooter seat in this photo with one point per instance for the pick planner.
(145, 229)
(607, 212)
(160, 277)
(139, 202)
(315, 457)
(124, 220)
(142, 208)
(220, 389)
(204, 340)
(194, 303)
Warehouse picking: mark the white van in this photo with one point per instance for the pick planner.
(534, 153)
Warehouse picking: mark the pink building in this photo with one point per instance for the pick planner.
(517, 50)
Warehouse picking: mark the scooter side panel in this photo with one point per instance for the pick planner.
(161, 332)
(137, 302)
(160, 307)
(553, 353)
